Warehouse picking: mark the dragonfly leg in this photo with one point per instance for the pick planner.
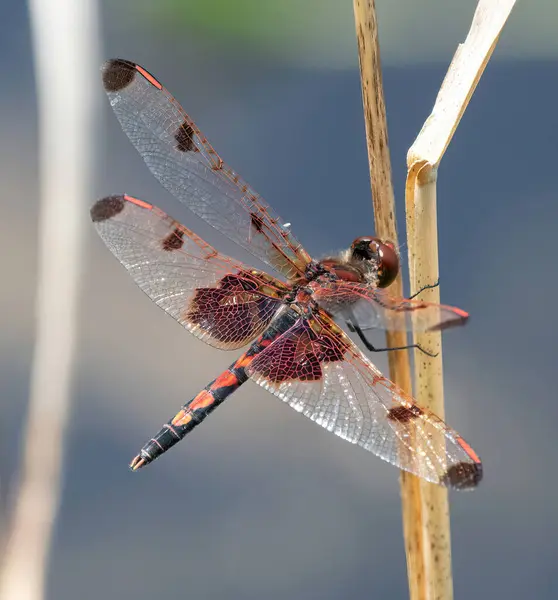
(425, 287)
(369, 346)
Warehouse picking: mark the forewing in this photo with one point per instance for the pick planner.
(182, 159)
(221, 301)
(374, 308)
(316, 369)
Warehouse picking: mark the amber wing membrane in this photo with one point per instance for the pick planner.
(375, 308)
(223, 302)
(182, 159)
(316, 369)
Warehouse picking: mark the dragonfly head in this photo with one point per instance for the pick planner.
(380, 255)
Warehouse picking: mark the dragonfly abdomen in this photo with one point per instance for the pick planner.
(196, 410)
(192, 413)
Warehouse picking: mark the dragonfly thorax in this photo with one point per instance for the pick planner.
(369, 260)
(344, 270)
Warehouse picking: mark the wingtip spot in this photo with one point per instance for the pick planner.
(463, 476)
(106, 208)
(117, 74)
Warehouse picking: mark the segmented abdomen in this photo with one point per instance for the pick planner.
(196, 410)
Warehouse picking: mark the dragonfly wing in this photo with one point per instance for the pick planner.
(374, 308)
(316, 369)
(223, 302)
(182, 159)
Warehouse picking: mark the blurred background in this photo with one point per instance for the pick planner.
(259, 502)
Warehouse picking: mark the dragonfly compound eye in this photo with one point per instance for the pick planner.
(388, 265)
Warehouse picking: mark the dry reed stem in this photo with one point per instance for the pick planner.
(385, 227)
(425, 506)
(423, 159)
(434, 510)
(65, 44)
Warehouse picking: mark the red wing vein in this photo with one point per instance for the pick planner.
(182, 159)
(221, 301)
(347, 395)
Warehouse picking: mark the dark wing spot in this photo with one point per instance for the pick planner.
(230, 313)
(106, 208)
(293, 364)
(184, 138)
(302, 357)
(257, 222)
(241, 281)
(404, 414)
(174, 241)
(117, 74)
(330, 349)
(463, 476)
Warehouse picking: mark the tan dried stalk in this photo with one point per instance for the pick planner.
(425, 506)
(385, 226)
(65, 44)
(423, 160)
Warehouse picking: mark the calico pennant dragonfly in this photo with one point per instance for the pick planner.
(298, 350)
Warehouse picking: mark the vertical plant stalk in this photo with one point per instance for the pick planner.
(429, 391)
(386, 227)
(65, 46)
(424, 506)
(423, 160)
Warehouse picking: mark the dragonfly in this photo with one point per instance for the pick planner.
(292, 322)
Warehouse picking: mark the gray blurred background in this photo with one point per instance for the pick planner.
(259, 502)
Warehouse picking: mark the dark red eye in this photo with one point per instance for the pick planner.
(388, 266)
(384, 253)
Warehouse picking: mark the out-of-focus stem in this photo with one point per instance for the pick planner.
(65, 45)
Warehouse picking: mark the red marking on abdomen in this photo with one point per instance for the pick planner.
(149, 77)
(202, 400)
(226, 379)
(244, 361)
(138, 202)
(468, 449)
(182, 418)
